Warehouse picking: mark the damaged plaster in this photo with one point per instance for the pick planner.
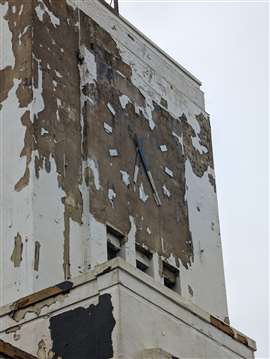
(16, 256)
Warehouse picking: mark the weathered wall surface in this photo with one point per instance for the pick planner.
(117, 312)
(78, 84)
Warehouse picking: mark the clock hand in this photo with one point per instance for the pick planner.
(140, 149)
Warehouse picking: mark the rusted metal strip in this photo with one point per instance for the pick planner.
(222, 326)
(43, 294)
(242, 339)
(14, 353)
(225, 328)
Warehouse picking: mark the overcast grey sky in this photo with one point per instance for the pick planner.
(225, 44)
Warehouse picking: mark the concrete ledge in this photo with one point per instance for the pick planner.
(118, 272)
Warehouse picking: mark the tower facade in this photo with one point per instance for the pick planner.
(108, 188)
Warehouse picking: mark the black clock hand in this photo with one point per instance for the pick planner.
(140, 149)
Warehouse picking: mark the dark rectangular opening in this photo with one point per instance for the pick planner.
(170, 276)
(114, 242)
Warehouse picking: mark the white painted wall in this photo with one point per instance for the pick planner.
(16, 214)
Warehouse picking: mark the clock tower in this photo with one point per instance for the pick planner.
(108, 188)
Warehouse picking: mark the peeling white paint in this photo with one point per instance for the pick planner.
(179, 139)
(58, 74)
(111, 196)
(196, 143)
(148, 114)
(41, 9)
(143, 196)
(120, 73)
(124, 100)
(15, 207)
(7, 57)
(89, 66)
(168, 171)
(113, 152)
(129, 248)
(163, 148)
(21, 10)
(38, 102)
(148, 230)
(166, 192)
(125, 178)
(44, 131)
(111, 109)
(93, 165)
(23, 33)
(199, 190)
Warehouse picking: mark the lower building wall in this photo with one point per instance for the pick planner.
(116, 311)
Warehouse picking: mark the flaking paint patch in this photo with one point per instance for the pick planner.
(124, 100)
(111, 196)
(89, 67)
(36, 309)
(166, 192)
(125, 178)
(16, 256)
(92, 164)
(41, 9)
(143, 196)
(129, 246)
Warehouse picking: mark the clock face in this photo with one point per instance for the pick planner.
(136, 164)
